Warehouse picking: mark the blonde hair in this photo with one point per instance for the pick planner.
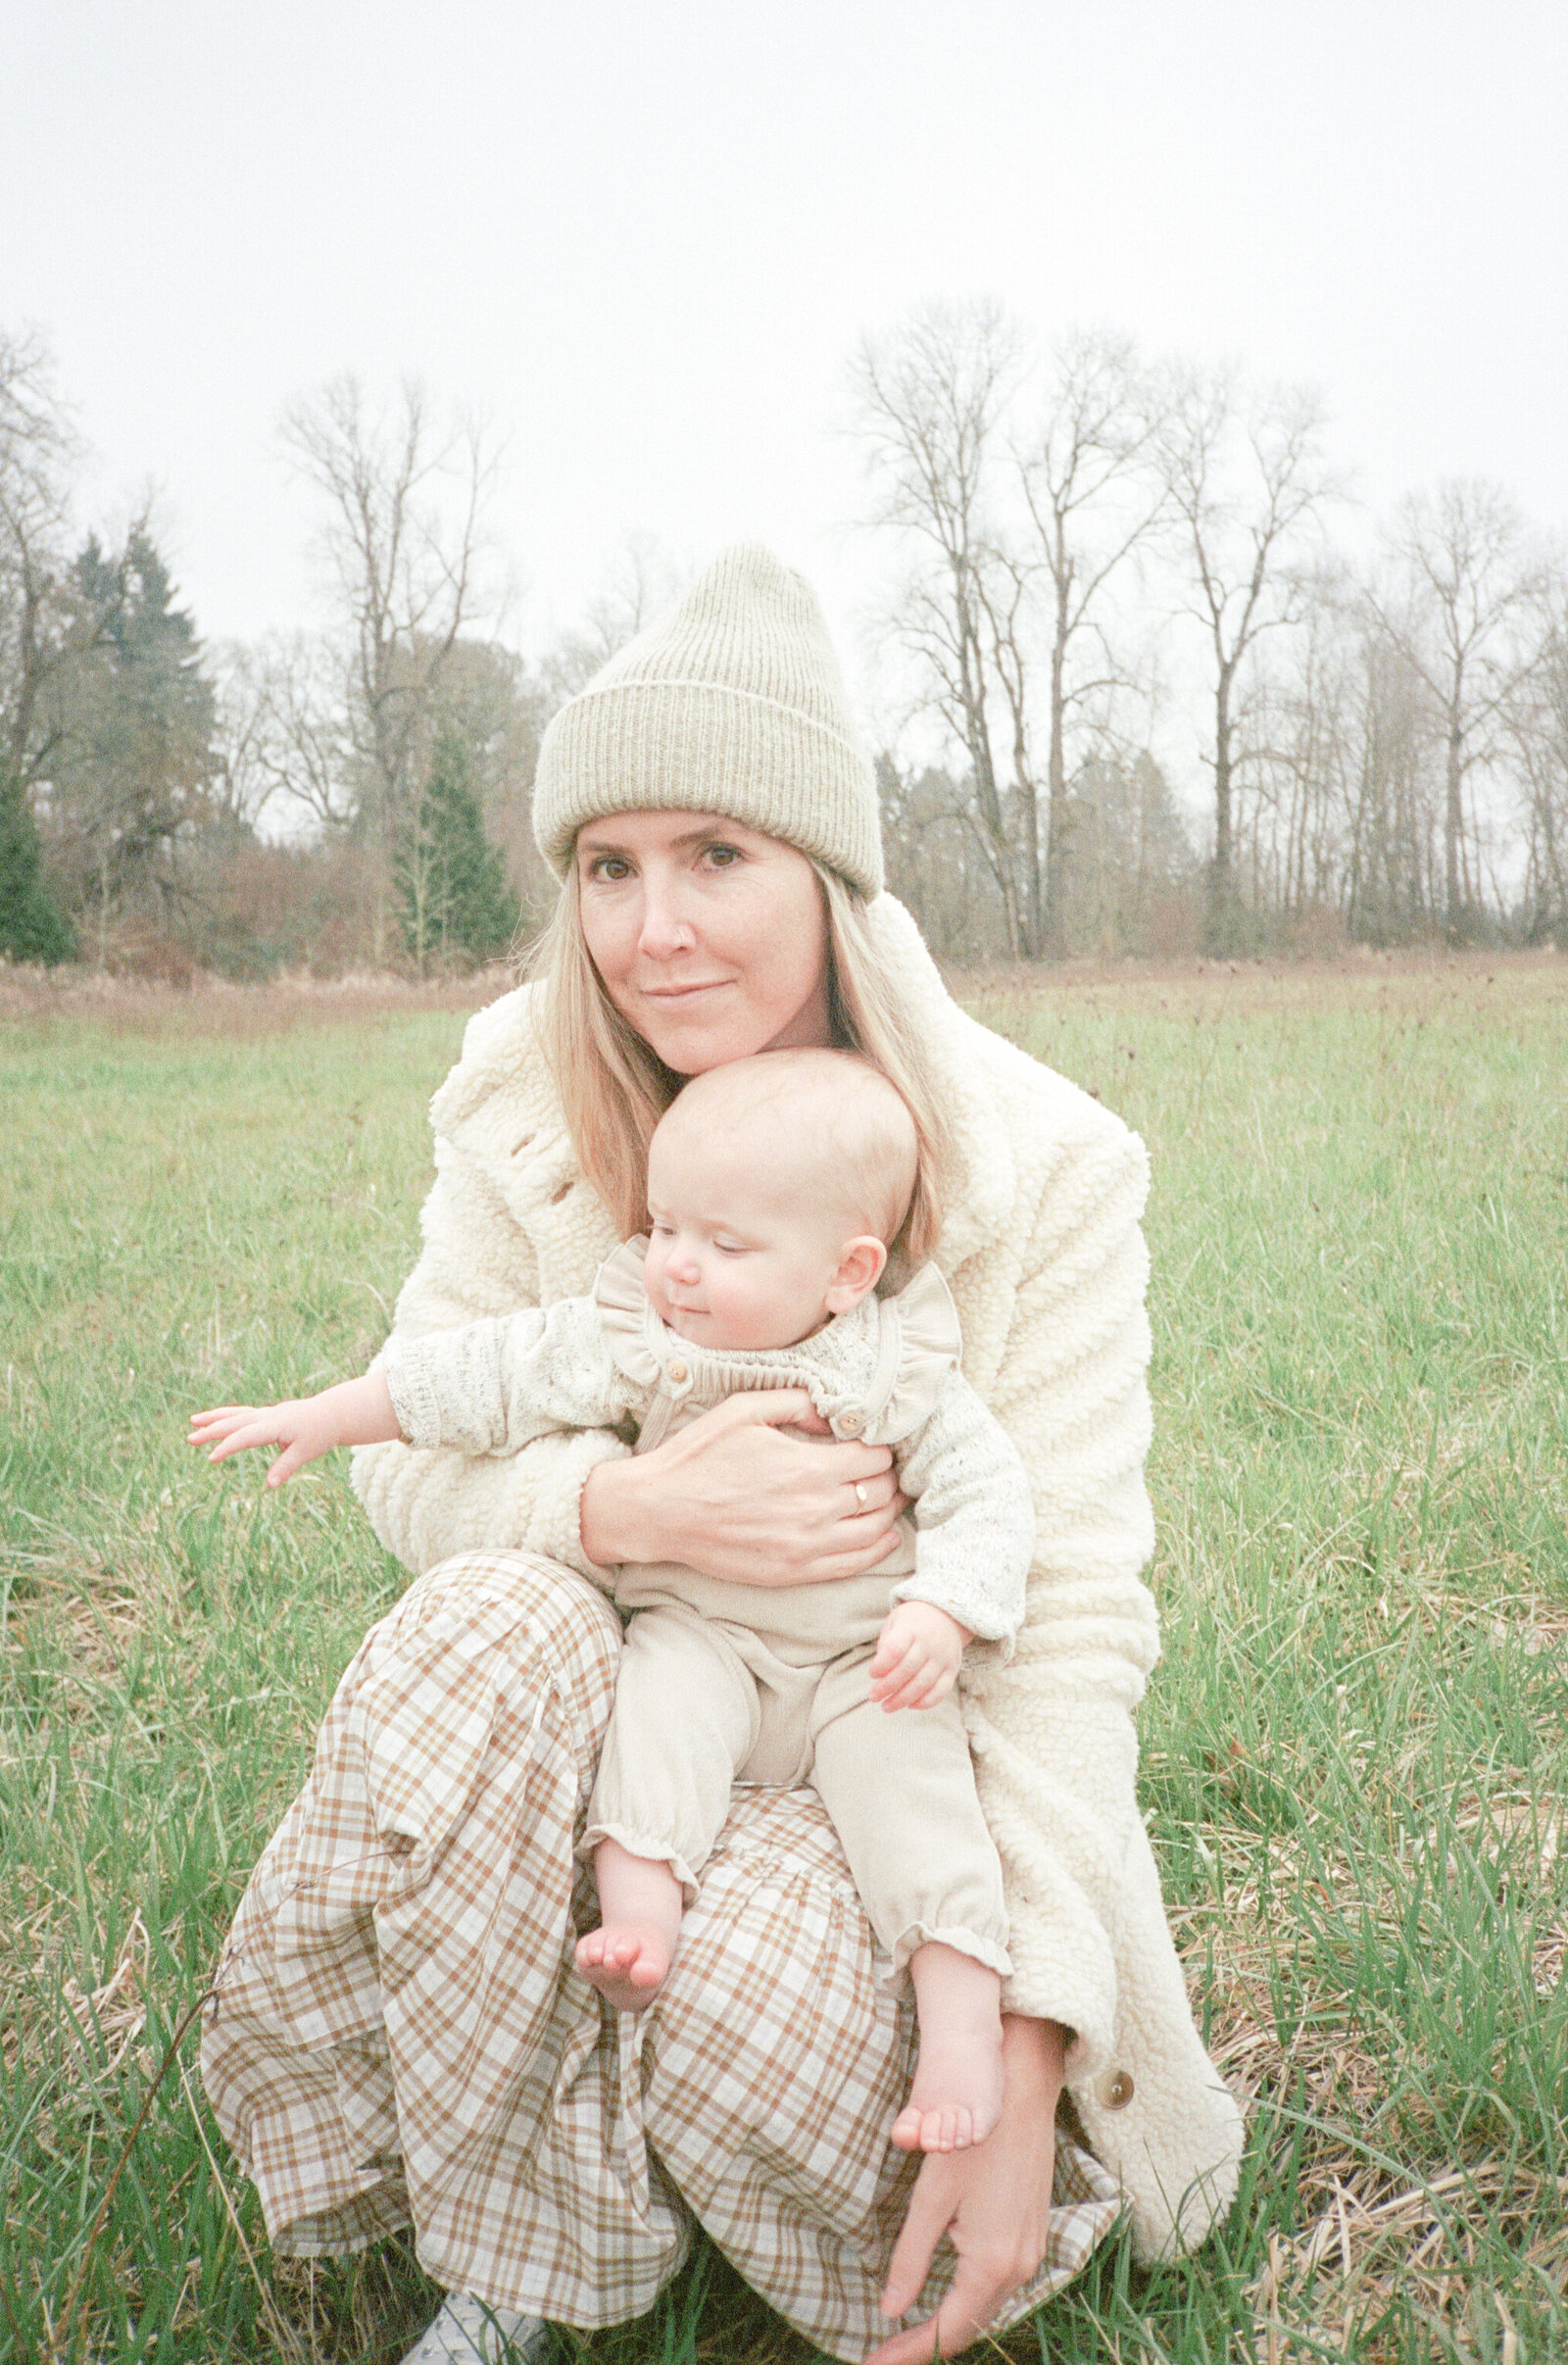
(614, 1089)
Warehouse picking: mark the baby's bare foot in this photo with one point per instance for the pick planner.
(628, 1962)
(957, 2096)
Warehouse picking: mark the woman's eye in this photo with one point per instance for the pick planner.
(723, 857)
(610, 866)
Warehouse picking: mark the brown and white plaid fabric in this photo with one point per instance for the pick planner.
(398, 2034)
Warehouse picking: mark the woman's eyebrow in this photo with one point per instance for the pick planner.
(715, 829)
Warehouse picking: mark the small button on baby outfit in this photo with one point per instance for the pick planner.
(1119, 2093)
(852, 1421)
(677, 1372)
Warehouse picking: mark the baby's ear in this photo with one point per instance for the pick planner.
(857, 1274)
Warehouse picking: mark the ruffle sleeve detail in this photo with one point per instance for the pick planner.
(921, 1343)
(630, 1326)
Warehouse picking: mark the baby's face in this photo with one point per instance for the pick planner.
(737, 1254)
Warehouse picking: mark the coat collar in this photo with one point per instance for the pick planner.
(982, 1195)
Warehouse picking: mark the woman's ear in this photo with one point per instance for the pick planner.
(857, 1274)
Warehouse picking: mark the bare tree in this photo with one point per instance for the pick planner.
(930, 406)
(641, 579)
(1537, 719)
(39, 452)
(1246, 478)
(286, 737)
(407, 550)
(1463, 587)
(1092, 501)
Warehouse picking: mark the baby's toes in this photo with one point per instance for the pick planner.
(591, 1951)
(907, 2129)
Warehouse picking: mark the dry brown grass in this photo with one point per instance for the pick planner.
(216, 1007)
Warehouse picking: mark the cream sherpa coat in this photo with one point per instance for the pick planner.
(1043, 1253)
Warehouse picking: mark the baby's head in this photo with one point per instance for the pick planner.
(776, 1186)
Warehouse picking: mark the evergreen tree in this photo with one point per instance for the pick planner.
(31, 927)
(134, 718)
(449, 878)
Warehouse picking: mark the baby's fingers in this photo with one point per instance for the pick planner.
(292, 1459)
(919, 1687)
(240, 1438)
(894, 1645)
(894, 1667)
(218, 1420)
(903, 1687)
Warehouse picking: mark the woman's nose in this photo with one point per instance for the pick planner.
(665, 928)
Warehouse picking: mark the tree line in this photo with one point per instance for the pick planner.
(1088, 559)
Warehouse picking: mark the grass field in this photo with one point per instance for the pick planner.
(1353, 1753)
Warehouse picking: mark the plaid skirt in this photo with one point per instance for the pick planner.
(398, 2034)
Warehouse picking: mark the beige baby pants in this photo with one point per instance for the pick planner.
(703, 1701)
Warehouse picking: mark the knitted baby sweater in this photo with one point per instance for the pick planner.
(886, 1371)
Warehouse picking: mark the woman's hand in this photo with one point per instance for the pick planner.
(736, 1498)
(992, 2203)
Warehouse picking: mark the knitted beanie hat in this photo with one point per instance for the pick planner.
(731, 704)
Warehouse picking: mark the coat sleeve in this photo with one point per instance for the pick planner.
(428, 1504)
(1052, 1732)
(974, 1518)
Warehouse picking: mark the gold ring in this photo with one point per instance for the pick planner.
(859, 1493)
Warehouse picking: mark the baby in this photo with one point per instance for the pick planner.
(775, 1184)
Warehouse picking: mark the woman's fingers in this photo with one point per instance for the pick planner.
(933, 2205)
(975, 2297)
(870, 1494)
(778, 1408)
(979, 2284)
(738, 1496)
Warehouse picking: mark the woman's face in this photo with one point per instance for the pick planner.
(711, 939)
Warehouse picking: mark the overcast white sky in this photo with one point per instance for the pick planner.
(646, 237)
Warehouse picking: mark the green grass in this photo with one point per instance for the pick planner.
(1353, 1753)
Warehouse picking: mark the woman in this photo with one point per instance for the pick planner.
(398, 2033)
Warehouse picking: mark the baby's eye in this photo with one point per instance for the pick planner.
(730, 1248)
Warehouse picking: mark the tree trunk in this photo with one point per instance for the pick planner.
(1220, 932)
(1453, 836)
(1059, 822)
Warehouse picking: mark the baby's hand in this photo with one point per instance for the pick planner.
(356, 1413)
(917, 1655)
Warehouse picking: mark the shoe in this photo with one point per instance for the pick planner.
(468, 2331)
